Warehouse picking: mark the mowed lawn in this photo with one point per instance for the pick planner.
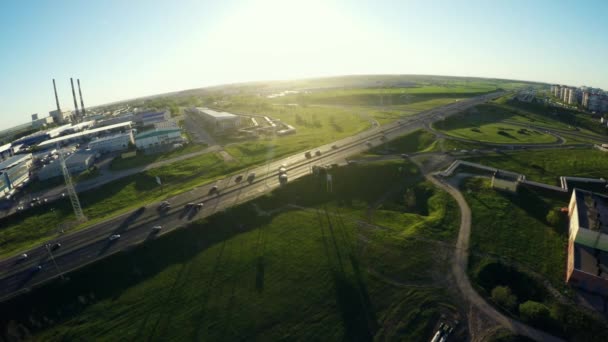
(513, 228)
(547, 166)
(416, 141)
(315, 126)
(266, 272)
(502, 133)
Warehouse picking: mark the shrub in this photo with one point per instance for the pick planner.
(534, 312)
(503, 296)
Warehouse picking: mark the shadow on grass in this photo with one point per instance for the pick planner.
(58, 301)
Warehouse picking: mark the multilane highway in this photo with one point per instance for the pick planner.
(86, 246)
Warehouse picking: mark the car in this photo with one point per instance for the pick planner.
(368, 143)
(23, 256)
(37, 268)
(188, 205)
(214, 189)
(404, 155)
(55, 246)
(282, 170)
(238, 178)
(335, 147)
(383, 138)
(251, 177)
(157, 228)
(308, 154)
(114, 237)
(317, 153)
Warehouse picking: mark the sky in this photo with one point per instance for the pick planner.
(126, 49)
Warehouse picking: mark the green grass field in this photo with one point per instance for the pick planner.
(142, 159)
(512, 122)
(547, 166)
(292, 275)
(417, 141)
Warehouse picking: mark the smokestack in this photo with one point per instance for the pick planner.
(81, 103)
(56, 98)
(75, 117)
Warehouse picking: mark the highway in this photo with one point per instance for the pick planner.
(83, 247)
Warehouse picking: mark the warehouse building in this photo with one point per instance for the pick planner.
(76, 163)
(14, 172)
(115, 120)
(112, 143)
(86, 134)
(149, 118)
(158, 138)
(587, 266)
(219, 122)
(171, 123)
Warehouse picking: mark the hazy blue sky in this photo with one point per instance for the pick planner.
(124, 49)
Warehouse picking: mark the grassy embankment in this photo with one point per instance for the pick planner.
(291, 274)
(547, 166)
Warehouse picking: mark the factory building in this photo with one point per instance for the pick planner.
(587, 265)
(129, 117)
(151, 117)
(60, 116)
(219, 122)
(76, 163)
(158, 138)
(112, 143)
(14, 172)
(6, 151)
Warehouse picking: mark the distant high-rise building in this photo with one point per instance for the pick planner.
(585, 100)
(571, 96)
(34, 117)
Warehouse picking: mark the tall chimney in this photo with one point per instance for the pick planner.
(81, 103)
(75, 117)
(56, 98)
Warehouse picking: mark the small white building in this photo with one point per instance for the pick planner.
(14, 172)
(111, 143)
(158, 137)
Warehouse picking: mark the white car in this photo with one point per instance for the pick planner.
(23, 256)
(114, 237)
(157, 227)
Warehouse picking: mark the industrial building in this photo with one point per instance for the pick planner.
(129, 117)
(158, 138)
(587, 266)
(76, 163)
(86, 134)
(112, 143)
(219, 122)
(14, 172)
(171, 123)
(149, 118)
(6, 151)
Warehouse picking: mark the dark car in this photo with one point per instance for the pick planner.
(238, 178)
(307, 154)
(55, 246)
(214, 189)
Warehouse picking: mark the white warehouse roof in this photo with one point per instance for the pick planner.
(84, 133)
(216, 114)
